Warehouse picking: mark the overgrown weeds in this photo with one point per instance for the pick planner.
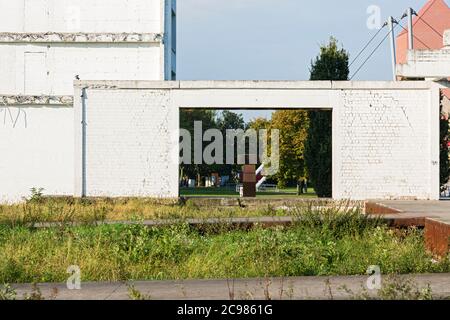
(323, 243)
(38, 209)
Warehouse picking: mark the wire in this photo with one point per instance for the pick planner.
(378, 46)
(415, 37)
(437, 32)
(367, 44)
(372, 53)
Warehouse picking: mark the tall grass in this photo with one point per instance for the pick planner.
(69, 210)
(322, 243)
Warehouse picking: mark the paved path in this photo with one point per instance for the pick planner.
(298, 288)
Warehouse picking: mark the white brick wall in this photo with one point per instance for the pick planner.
(385, 134)
(128, 144)
(384, 144)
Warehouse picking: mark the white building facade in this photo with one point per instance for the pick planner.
(44, 46)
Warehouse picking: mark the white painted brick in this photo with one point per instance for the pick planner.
(129, 138)
(384, 144)
(385, 139)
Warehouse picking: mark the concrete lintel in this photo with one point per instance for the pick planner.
(28, 100)
(56, 37)
(387, 85)
(251, 84)
(255, 84)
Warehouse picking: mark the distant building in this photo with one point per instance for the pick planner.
(437, 14)
(430, 57)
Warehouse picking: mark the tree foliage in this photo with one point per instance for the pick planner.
(187, 119)
(210, 119)
(293, 126)
(331, 64)
(228, 120)
(259, 124)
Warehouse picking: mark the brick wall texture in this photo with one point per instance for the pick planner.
(385, 144)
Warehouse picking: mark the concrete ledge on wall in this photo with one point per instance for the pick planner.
(384, 85)
(22, 100)
(254, 84)
(54, 37)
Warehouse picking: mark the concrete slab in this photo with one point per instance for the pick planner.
(297, 288)
(426, 208)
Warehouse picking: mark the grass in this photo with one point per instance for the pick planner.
(329, 240)
(38, 208)
(230, 193)
(325, 242)
(88, 211)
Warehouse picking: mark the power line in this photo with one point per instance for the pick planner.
(378, 46)
(417, 38)
(437, 32)
(367, 44)
(373, 52)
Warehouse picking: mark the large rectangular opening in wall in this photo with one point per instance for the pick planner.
(221, 150)
(385, 135)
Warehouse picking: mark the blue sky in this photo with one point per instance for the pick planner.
(276, 39)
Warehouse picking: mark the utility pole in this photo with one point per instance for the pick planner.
(391, 22)
(410, 13)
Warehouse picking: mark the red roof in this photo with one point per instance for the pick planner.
(437, 14)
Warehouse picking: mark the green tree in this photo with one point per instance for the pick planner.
(187, 119)
(330, 64)
(444, 154)
(293, 126)
(259, 124)
(228, 120)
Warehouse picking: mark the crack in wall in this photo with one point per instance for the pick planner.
(14, 119)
